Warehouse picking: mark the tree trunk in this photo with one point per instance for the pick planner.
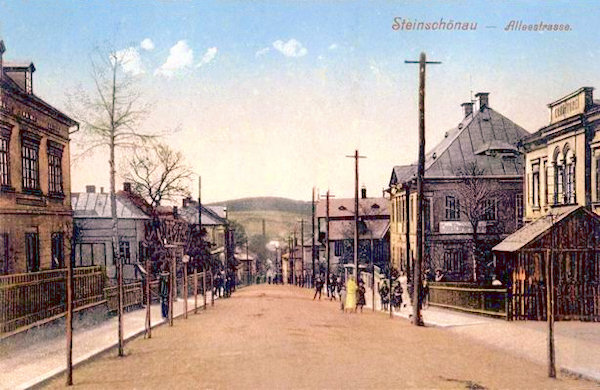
(113, 211)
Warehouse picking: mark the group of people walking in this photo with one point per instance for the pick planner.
(395, 296)
(351, 294)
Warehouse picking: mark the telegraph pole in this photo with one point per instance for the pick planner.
(327, 252)
(356, 235)
(312, 251)
(417, 319)
(301, 247)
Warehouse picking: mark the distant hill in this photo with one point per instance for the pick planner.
(280, 215)
(267, 204)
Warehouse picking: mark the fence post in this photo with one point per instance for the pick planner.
(148, 301)
(195, 290)
(204, 287)
(550, 312)
(185, 291)
(70, 323)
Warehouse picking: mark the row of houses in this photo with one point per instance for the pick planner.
(499, 203)
(42, 221)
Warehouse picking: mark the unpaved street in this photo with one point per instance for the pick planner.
(278, 337)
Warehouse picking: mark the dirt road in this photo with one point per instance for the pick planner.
(278, 337)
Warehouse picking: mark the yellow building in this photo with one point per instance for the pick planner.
(35, 200)
(562, 162)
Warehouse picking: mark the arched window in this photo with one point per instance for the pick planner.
(569, 173)
(558, 177)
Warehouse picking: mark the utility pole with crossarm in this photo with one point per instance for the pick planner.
(417, 280)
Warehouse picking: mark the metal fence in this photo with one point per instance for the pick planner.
(29, 298)
(489, 300)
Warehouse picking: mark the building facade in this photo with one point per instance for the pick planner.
(35, 201)
(374, 223)
(562, 160)
(93, 232)
(473, 183)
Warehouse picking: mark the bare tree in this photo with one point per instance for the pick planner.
(110, 116)
(158, 173)
(478, 197)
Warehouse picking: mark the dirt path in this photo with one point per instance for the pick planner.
(277, 337)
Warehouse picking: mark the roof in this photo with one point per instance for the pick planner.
(485, 137)
(211, 215)
(533, 230)
(94, 205)
(371, 229)
(10, 85)
(344, 207)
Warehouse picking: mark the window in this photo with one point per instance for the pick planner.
(125, 252)
(338, 248)
(535, 185)
(4, 253)
(489, 210)
(30, 164)
(598, 179)
(453, 260)
(546, 200)
(452, 208)
(4, 161)
(569, 178)
(426, 215)
(32, 252)
(519, 209)
(58, 250)
(55, 176)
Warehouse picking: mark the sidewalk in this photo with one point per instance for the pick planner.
(25, 367)
(577, 344)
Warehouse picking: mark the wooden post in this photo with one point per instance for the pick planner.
(120, 300)
(390, 289)
(148, 300)
(417, 281)
(212, 287)
(204, 287)
(70, 319)
(372, 275)
(185, 291)
(195, 290)
(550, 312)
(312, 251)
(172, 286)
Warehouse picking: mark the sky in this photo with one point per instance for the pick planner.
(268, 97)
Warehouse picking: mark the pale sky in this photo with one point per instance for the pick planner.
(271, 96)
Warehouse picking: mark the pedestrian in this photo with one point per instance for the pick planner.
(361, 301)
(351, 288)
(339, 285)
(318, 287)
(384, 296)
(163, 291)
(332, 287)
(342, 293)
(397, 296)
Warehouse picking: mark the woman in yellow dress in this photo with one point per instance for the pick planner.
(351, 288)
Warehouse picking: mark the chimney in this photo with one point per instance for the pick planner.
(186, 201)
(127, 186)
(484, 100)
(175, 212)
(363, 192)
(468, 107)
(90, 189)
(2, 50)
(101, 190)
